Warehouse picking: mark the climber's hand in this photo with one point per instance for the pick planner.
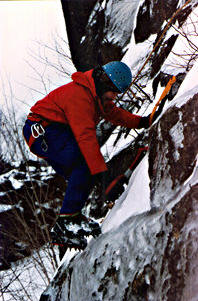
(145, 120)
(100, 179)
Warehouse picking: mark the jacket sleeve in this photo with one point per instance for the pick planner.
(119, 116)
(80, 112)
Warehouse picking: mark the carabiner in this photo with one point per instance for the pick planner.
(38, 129)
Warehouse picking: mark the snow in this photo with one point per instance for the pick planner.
(177, 135)
(109, 150)
(190, 81)
(27, 279)
(137, 53)
(4, 208)
(121, 14)
(187, 90)
(176, 61)
(193, 178)
(134, 200)
(10, 175)
(46, 173)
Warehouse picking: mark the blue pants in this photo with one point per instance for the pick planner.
(64, 155)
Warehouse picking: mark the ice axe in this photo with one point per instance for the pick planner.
(115, 185)
(162, 97)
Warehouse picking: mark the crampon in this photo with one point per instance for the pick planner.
(70, 232)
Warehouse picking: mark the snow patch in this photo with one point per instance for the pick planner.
(190, 82)
(4, 208)
(192, 178)
(177, 135)
(187, 90)
(137, 53)
(11, 177)
(134, 200)
(121, 16)
(30, 276)
(109, 150)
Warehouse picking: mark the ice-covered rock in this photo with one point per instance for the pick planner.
(152, 255)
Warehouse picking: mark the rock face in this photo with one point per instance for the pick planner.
(176, 149)
(151, 256)
(76, 15)
(99, 31)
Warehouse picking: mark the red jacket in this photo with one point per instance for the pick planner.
(78, 105)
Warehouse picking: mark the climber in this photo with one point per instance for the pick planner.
(61, 128)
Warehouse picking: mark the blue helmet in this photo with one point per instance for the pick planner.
(119, 73)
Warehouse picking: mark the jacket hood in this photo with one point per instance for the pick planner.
(85, 79)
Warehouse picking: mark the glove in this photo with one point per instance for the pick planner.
(100, 179)
(144, 122)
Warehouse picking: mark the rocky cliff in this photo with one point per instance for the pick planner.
(152, 255)
(100, 31)
(148, 248)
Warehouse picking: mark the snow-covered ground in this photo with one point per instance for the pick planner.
(27, 279)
